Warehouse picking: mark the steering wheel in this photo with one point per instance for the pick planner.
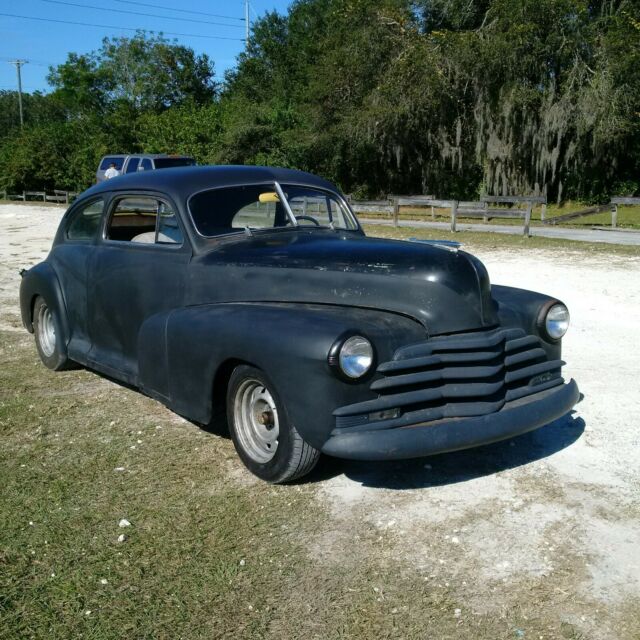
(309, 218)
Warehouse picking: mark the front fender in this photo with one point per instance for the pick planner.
(290, 343)
(521, 308)
(42, 280)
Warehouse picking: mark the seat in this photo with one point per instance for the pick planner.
(172, 236)
(148, 237)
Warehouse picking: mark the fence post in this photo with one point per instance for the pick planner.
(543, 211)
(485, 217)
(614, 215)
(527, 219)
(454, 213)
(433, 213)
(396, 210)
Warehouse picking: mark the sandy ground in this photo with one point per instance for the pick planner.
(555, 511)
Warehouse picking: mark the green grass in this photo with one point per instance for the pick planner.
(202, 549)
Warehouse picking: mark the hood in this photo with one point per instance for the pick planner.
(445, 290)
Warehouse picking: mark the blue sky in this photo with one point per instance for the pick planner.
(44, 42)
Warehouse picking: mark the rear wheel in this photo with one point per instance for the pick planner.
(267, 443)
(46, 327)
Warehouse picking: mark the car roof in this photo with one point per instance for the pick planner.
(182, 182)
(160, 155)
(145, 155)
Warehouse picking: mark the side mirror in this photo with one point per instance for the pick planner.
(268, 196)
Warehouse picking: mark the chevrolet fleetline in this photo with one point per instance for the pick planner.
(253, 293)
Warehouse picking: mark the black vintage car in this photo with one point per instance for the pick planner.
(252, 292)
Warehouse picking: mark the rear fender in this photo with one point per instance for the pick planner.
(42, 280)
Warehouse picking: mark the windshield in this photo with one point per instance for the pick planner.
(227, 210)
(313, 207)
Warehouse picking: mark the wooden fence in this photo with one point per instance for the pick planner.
(616, 202)
(589, 211)
(64, 197)
(487, 208)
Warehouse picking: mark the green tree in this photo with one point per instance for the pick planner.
(145, 72)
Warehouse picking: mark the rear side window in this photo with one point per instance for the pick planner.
(133, 165)
(144, 220)
(166, 163)
(85, 220)
(106, 163)
(145, 165)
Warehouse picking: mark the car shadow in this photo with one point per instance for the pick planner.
(430, 471)
(457, 466)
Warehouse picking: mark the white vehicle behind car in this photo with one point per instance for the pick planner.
(124, 163)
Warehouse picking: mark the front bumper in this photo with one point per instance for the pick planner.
(422, 439)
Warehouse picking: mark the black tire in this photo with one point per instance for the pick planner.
(51, 348)
(292, 457)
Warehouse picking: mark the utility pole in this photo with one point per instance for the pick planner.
(246, 20)
(18, 64)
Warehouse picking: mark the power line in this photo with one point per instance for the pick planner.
(199, 13)
(37, 63)
(42, 63)
(139, 13)
(116, 28)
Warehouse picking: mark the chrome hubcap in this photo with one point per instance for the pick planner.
(256, 421)
(46, 331)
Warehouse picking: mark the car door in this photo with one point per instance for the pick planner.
(71, 259)
(139, 270)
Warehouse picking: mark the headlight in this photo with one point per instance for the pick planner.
(556, 321)
(355, 357)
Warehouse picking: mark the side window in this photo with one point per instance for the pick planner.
(143, 219)
(132, 165)
(311, 204)
(145, 165)
(85, 220)
(168, 228)
(109, 160)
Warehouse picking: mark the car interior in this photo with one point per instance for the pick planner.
(143, 220)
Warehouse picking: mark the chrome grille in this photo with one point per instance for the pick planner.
(456, 376)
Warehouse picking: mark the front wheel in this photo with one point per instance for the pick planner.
(267, 443)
